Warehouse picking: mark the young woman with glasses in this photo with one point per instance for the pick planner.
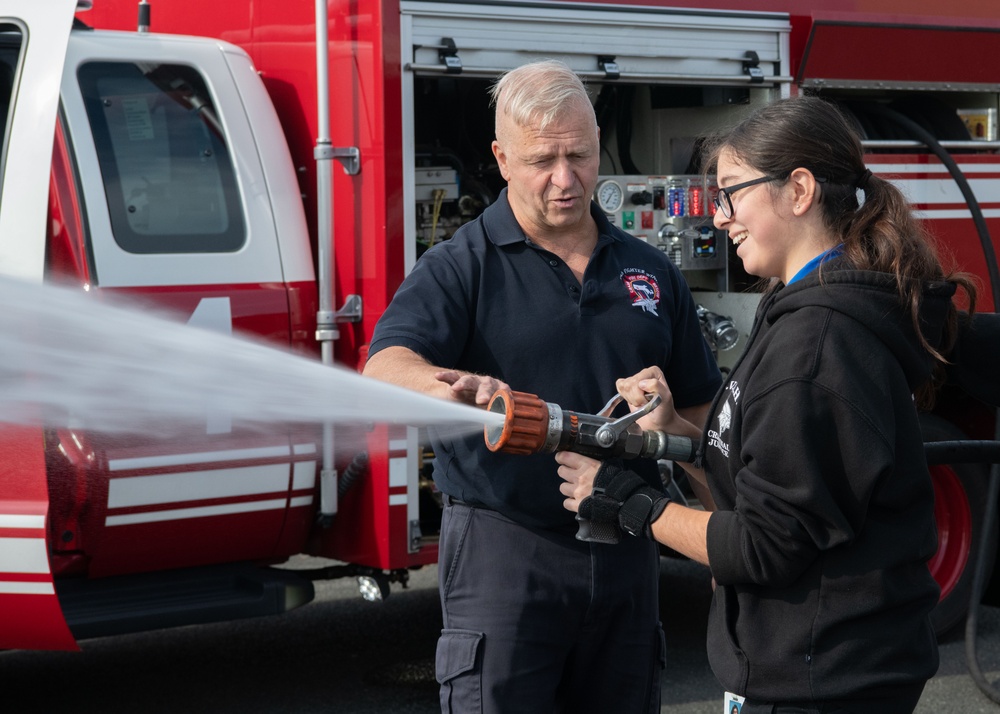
(824, 508)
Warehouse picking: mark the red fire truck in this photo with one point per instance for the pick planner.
(290, 160)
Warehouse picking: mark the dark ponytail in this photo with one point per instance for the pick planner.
(880, 233)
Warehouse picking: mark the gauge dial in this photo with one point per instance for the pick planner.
(609, 195)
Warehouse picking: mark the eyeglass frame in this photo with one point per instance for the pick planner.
(727, 194)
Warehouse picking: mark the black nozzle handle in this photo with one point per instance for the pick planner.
(592, 532)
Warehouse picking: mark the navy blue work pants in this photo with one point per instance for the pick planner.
(537, 621)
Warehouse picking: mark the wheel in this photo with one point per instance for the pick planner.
(959, 508)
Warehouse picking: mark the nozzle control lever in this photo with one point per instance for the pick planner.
(608, 434)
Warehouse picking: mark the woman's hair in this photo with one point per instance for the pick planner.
(537, 92)
(880, 234)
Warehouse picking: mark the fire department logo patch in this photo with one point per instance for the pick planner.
(643, 289)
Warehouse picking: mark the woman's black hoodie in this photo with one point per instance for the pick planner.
(825, 517)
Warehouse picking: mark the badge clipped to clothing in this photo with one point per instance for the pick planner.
(733, 703)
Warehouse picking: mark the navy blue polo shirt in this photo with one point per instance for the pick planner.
(491, 302)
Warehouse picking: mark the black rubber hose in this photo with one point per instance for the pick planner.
(623, 129)
(963, 451)
(354, 471)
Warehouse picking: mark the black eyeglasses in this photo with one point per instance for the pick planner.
(723, 200)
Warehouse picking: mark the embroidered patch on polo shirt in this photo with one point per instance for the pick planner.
(643, 289)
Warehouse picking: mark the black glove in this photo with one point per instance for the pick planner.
(621, 501)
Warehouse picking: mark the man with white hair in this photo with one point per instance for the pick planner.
(543, 294)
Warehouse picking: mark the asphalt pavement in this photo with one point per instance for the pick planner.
(343, 655)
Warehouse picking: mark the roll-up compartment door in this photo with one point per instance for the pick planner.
(628, 44)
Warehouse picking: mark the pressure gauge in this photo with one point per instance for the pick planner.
(609, 195)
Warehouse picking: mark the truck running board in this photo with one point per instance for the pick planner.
(149, 601)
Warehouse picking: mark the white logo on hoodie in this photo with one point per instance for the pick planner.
(725, 418)
(725, 421)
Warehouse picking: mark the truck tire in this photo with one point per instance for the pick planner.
(959, 509)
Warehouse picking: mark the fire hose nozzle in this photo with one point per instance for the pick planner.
(532, 426)
(525, 423)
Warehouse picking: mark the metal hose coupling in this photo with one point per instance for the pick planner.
(532, 426)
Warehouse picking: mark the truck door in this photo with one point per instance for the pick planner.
(32, 46)
(183, 208)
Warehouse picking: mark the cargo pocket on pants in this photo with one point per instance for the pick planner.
(458, 671)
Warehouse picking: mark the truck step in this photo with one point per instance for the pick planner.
(149, 601)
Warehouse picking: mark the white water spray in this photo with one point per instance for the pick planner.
(68, 359)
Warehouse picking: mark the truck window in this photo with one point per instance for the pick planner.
(167, 170)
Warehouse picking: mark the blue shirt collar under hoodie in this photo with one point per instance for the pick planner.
(815, 262)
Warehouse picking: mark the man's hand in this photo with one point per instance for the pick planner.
(468, 388)
(577, 471)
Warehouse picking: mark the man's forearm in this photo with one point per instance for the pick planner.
(406, 368)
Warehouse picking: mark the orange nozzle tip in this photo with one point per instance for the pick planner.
(525, 423)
